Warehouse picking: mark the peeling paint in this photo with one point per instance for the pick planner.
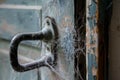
(92, 40)
(96, 45)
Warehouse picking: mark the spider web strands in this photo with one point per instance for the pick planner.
(91, 40)
(80, 47)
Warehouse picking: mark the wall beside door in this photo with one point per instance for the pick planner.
(114, 43)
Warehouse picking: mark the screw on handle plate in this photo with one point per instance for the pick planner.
(47, 34)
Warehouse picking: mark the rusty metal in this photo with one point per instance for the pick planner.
(48, 34)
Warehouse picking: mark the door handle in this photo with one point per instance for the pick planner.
(48, 34)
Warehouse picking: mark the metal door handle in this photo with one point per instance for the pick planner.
(47, 34)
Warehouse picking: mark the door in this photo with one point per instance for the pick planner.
(28, 16)
(17, 16)
(80, 47)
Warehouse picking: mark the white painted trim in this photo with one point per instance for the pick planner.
(11, 6)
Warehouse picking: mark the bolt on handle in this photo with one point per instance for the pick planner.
(47, 34)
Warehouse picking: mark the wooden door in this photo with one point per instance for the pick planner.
(28, 16)
(18, 16)
(81, 51)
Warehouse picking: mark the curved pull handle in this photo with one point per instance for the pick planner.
(47, 34)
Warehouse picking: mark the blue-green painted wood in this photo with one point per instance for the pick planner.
(7, 73)
(63, 12)
(97, 24)
(92, 63)
(6, 70)
(16, 21)
(92, 40)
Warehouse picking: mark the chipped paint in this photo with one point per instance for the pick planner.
(96, 37)
(92, 40)
(94, 71)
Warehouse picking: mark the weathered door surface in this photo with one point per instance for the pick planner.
(17, 17)
(28, 16)
(81, 47)
(63, 13)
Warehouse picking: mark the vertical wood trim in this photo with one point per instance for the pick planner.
(92, 39)
(98, 17)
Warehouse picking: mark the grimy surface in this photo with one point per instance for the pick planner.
(98, 17)
(13, 21)
(63, 12)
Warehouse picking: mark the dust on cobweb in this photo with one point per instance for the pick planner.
(73, 44)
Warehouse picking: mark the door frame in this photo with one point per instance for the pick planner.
(97, 68)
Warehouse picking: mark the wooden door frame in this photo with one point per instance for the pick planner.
(98, 71)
